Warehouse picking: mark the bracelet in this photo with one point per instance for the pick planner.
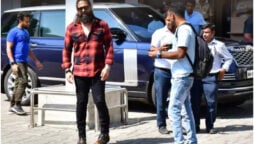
(158, 54)
(67, 71)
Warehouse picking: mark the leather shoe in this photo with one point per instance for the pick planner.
(197, 129)
(212, 131)
(82, 140)
(163, 130)
(103, 139)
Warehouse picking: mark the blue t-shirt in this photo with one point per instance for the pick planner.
(185, 38)
(195, 19)
(20, 39)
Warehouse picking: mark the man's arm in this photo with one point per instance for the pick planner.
(9, 46)
(36, 61)
(178, 54)
(109, 53)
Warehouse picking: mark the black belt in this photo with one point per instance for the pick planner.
(213, 74)
(164, 69)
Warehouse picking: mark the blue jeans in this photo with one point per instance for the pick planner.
(162, 85)
(180, 98)
(207, 86)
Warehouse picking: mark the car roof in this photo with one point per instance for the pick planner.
(61, 7)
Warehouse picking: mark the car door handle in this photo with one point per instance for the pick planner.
(32, 45)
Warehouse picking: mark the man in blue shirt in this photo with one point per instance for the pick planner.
(17, 47)
(182, 78)
(195, 18)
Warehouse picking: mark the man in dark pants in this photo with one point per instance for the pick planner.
(209, 85)
(17, 48)
(91, 42)
(162, 40)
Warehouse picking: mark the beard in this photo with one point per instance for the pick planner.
(86, 18)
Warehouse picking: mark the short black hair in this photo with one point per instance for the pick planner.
(193, 2)
(209, 25)
(21, 15)
(177, 7)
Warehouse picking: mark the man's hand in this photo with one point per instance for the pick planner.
(221, 74)
(14, 68)
(69, 77)
(39, 65)
(152, 54)
(105, 72)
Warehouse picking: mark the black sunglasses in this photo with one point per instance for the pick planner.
(84, 7)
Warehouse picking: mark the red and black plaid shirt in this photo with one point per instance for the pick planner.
(90, 53)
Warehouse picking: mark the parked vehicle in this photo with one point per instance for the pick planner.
(131, 29)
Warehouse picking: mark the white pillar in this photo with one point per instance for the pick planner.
(70, 13)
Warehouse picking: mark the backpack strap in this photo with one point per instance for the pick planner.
(188, 57)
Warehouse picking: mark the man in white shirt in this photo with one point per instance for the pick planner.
(181, 70)
(209, 85)
(162, 40)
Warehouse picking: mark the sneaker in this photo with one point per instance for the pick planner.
(18, 110)
(10, 110)
(103, 139)
(163, 130)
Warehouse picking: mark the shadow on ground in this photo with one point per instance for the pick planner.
(146, 141)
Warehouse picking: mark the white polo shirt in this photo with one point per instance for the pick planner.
(160, 37)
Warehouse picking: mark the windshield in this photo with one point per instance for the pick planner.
(142, 21)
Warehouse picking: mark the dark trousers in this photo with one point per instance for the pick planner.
(162, 85)
(20, 84)
(207, 86)
(83, 85)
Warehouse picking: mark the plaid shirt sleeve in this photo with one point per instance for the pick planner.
(67, 50)
(108, 45)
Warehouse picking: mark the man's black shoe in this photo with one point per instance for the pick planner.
(82, 140)
(103, 139)
(163, 130)
(18, 110)
(197, 129)
(212, 131)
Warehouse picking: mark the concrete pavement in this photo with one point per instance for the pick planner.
(235, 125)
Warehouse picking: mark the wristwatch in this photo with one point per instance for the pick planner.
(158, 54)
(67, 70)
(13, 62)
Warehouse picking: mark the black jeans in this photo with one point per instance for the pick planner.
(83, 85)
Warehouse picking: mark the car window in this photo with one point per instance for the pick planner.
(9, 20)
(52, 24)
(142, 21)
(104, 15)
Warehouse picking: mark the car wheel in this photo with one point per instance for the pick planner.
(9, 82)
(153, 95)
(154, 102)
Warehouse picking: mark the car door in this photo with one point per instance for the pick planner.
(124, 69)
(48, 43)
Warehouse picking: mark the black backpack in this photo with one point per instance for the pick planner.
(203, 61)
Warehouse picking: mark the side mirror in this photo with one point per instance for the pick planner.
(118, 34)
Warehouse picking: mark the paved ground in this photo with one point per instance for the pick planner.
(235, 125)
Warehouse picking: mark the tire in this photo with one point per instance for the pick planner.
(9, 85)
(153, 97)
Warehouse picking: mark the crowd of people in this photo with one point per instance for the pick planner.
(172, 69)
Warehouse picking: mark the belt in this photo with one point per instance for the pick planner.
(213, 74)
(164, 69)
